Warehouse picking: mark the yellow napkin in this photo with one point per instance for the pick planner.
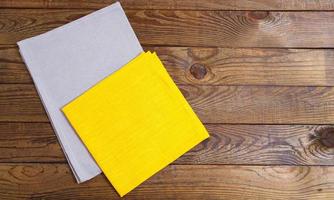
(135, 122)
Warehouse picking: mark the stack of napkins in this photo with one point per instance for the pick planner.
(135, 122)
(121, 102)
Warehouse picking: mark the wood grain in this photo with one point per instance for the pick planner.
(235, 66)
(249, 69)
(20, 103)
(12, 67)
(29, 142)
(190, 28)
(264, 145)
(178, 4)
(228, 144)
(213, 104)
(219, 66)
(261, 105)
(45, 181)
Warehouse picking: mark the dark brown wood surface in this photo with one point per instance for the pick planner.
(218, 66)
(190, 28)
(55, 181)
(229, 144)
(259, 74)
(239, 104)
(177, 4)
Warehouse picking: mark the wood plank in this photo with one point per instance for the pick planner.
(262, 105)
(213, 104)
(21, 103)
(29, 142)
(178, 4)
(45, 181)
(12, 68)
(218, 66)
(191, 28)
(239, 66)
(228, 144)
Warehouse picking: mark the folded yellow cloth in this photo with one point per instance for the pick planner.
(135, 122)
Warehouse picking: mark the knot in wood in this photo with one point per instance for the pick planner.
(325, 137)
(198, 70)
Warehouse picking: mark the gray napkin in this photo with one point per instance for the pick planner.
(70, 59)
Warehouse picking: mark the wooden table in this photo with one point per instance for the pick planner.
(259, 74)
